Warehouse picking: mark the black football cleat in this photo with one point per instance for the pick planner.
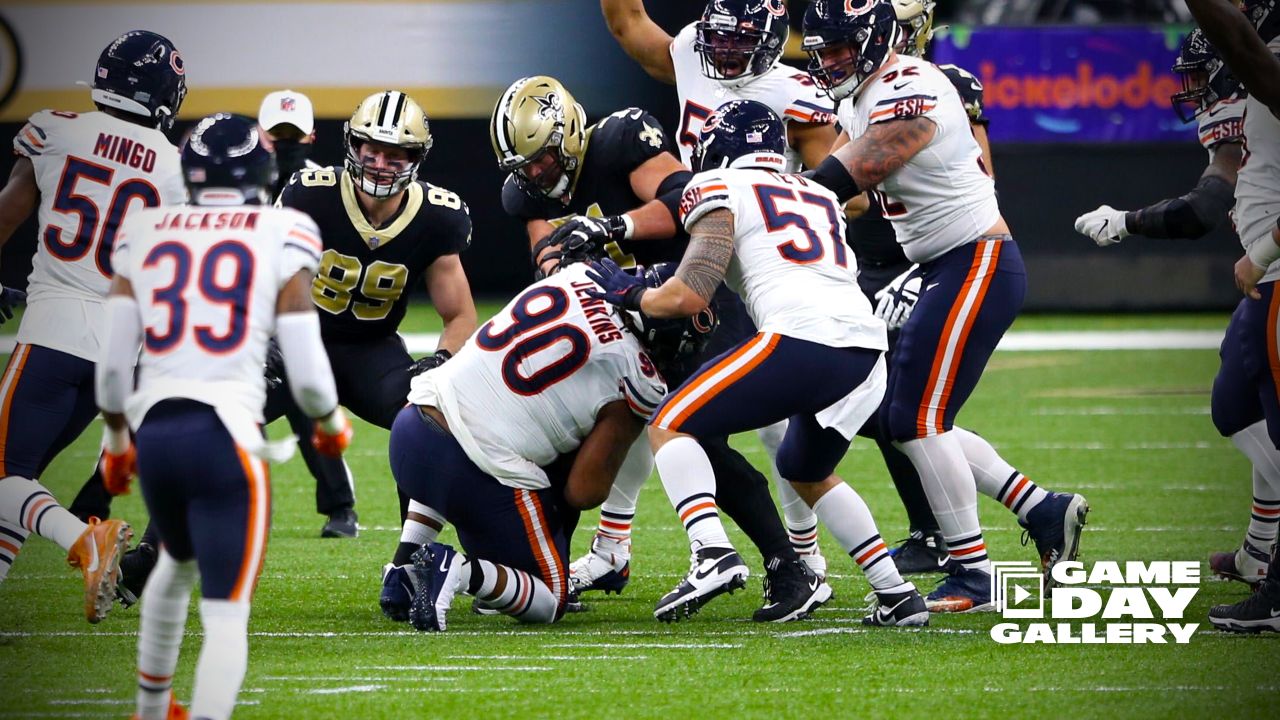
(342, 524)
(901, 609)
(1257, 613)
(791, 591)
(922, 553)
(712, 572)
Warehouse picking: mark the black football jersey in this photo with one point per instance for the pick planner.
(870, 235)
(362, 285)
(616, 146)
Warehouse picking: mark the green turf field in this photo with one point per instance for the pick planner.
(1128, 429)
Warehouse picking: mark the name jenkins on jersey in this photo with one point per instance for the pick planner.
(365, 272)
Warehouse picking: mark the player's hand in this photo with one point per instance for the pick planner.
(9, 299)
(273, 369)
(1247, 276)
(332, 434)
(1105, 225)
(620, 287)
(895, 301)
(119, 462)
(430, 362)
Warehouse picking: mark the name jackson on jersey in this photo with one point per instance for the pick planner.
(365, 272)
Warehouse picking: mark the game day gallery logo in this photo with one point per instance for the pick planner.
(1111, 603)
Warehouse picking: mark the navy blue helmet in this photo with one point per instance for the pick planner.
(141, 73)
(847, 42)
(740, 40)
(741, 133)
(670, 340)
(1205, 77)
(226, 161)
(1264, 15)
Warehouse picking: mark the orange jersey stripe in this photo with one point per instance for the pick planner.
(1008, 502)
(863, 557)
(529, 531)
(1266, 511)
(9, 547)
(980, 547)
(799, 115)
(31, 138)
(693, 387)
(704, 393)
(255, 540)
(8, 386)
(154, 678)
(555, 579)
(307, 238)
(624, 526)
(719, 387)
(696, 508)
(29, 522)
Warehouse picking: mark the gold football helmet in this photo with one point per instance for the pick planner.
(915, 17)
(539, 133)
(389, 118)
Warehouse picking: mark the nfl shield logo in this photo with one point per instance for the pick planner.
(373, 243)
(287, 104)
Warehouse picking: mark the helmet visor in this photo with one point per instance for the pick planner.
(727, 54)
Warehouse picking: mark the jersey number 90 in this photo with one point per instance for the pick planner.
(524, 343)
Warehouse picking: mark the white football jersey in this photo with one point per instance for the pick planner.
(93, 170)
(526, 387)
(787, 91)
(207, 280)
(790, 264)
(1222, 122)
(943, 197)
(1258, 184)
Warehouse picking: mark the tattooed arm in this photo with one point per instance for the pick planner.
(701, 269)
(884, 148)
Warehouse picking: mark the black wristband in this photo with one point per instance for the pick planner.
(834, 176)
(616, 226)
(631, 299)
(443, 354)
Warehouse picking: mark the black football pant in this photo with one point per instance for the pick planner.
(372, 377)
(871, 278)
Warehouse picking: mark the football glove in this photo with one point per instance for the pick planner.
(1105, 225)
(619, 286)
(332, 434)
(273, 369)
(895, 301)
(9, 299)
(429, 362)
(119, 461)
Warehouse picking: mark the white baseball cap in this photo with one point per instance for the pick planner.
(287, 106)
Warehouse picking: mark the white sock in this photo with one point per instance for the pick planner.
(160, 629)
(619, 509)
(12, 537)
(849, 519)
(996, 478)
(691, 486)
(223, 658)
(801, 522)
(953, 497)
(29, 505)
(419, 533)
(523, 596)
(1254, 442)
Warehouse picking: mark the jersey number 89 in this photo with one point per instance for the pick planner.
(380, 283)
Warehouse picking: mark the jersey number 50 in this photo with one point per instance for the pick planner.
(91, 220)
(525, 343)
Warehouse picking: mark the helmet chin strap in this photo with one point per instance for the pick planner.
(561, 186)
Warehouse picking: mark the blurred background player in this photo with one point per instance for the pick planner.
(383, 230)
(1214, 98)
(289, 121)
(617, 174)
(778, 239)
(479, 440)
(86, 172)
(947, 219)
(202, 289)
(1245, 391)
(732, 52)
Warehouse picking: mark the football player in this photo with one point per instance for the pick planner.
(947, 219)
(1213, 97)
(732, 52)
(86, 173)
(1245, 390)
(202, 289)
(778, 239)
(556, 374)
(893, 283)
(383, 231)
(622, 185)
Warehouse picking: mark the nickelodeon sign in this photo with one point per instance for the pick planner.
(1084, 88)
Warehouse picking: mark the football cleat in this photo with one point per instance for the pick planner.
(900, 609)
(97, 553)
(135, 568)
(176, 712)
(600, 570)
(713, 571)
(1247, 564)
(922, 553)
(342, 524)
(1256, 613)
(1055, 526)
(966, 591)
(817, 564)
(398, 588)
(436, 573)
(791, 591)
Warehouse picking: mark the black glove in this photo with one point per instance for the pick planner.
(430, 362)
(582, 238)
(273, 369)
(9, 298)
(620, 287)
